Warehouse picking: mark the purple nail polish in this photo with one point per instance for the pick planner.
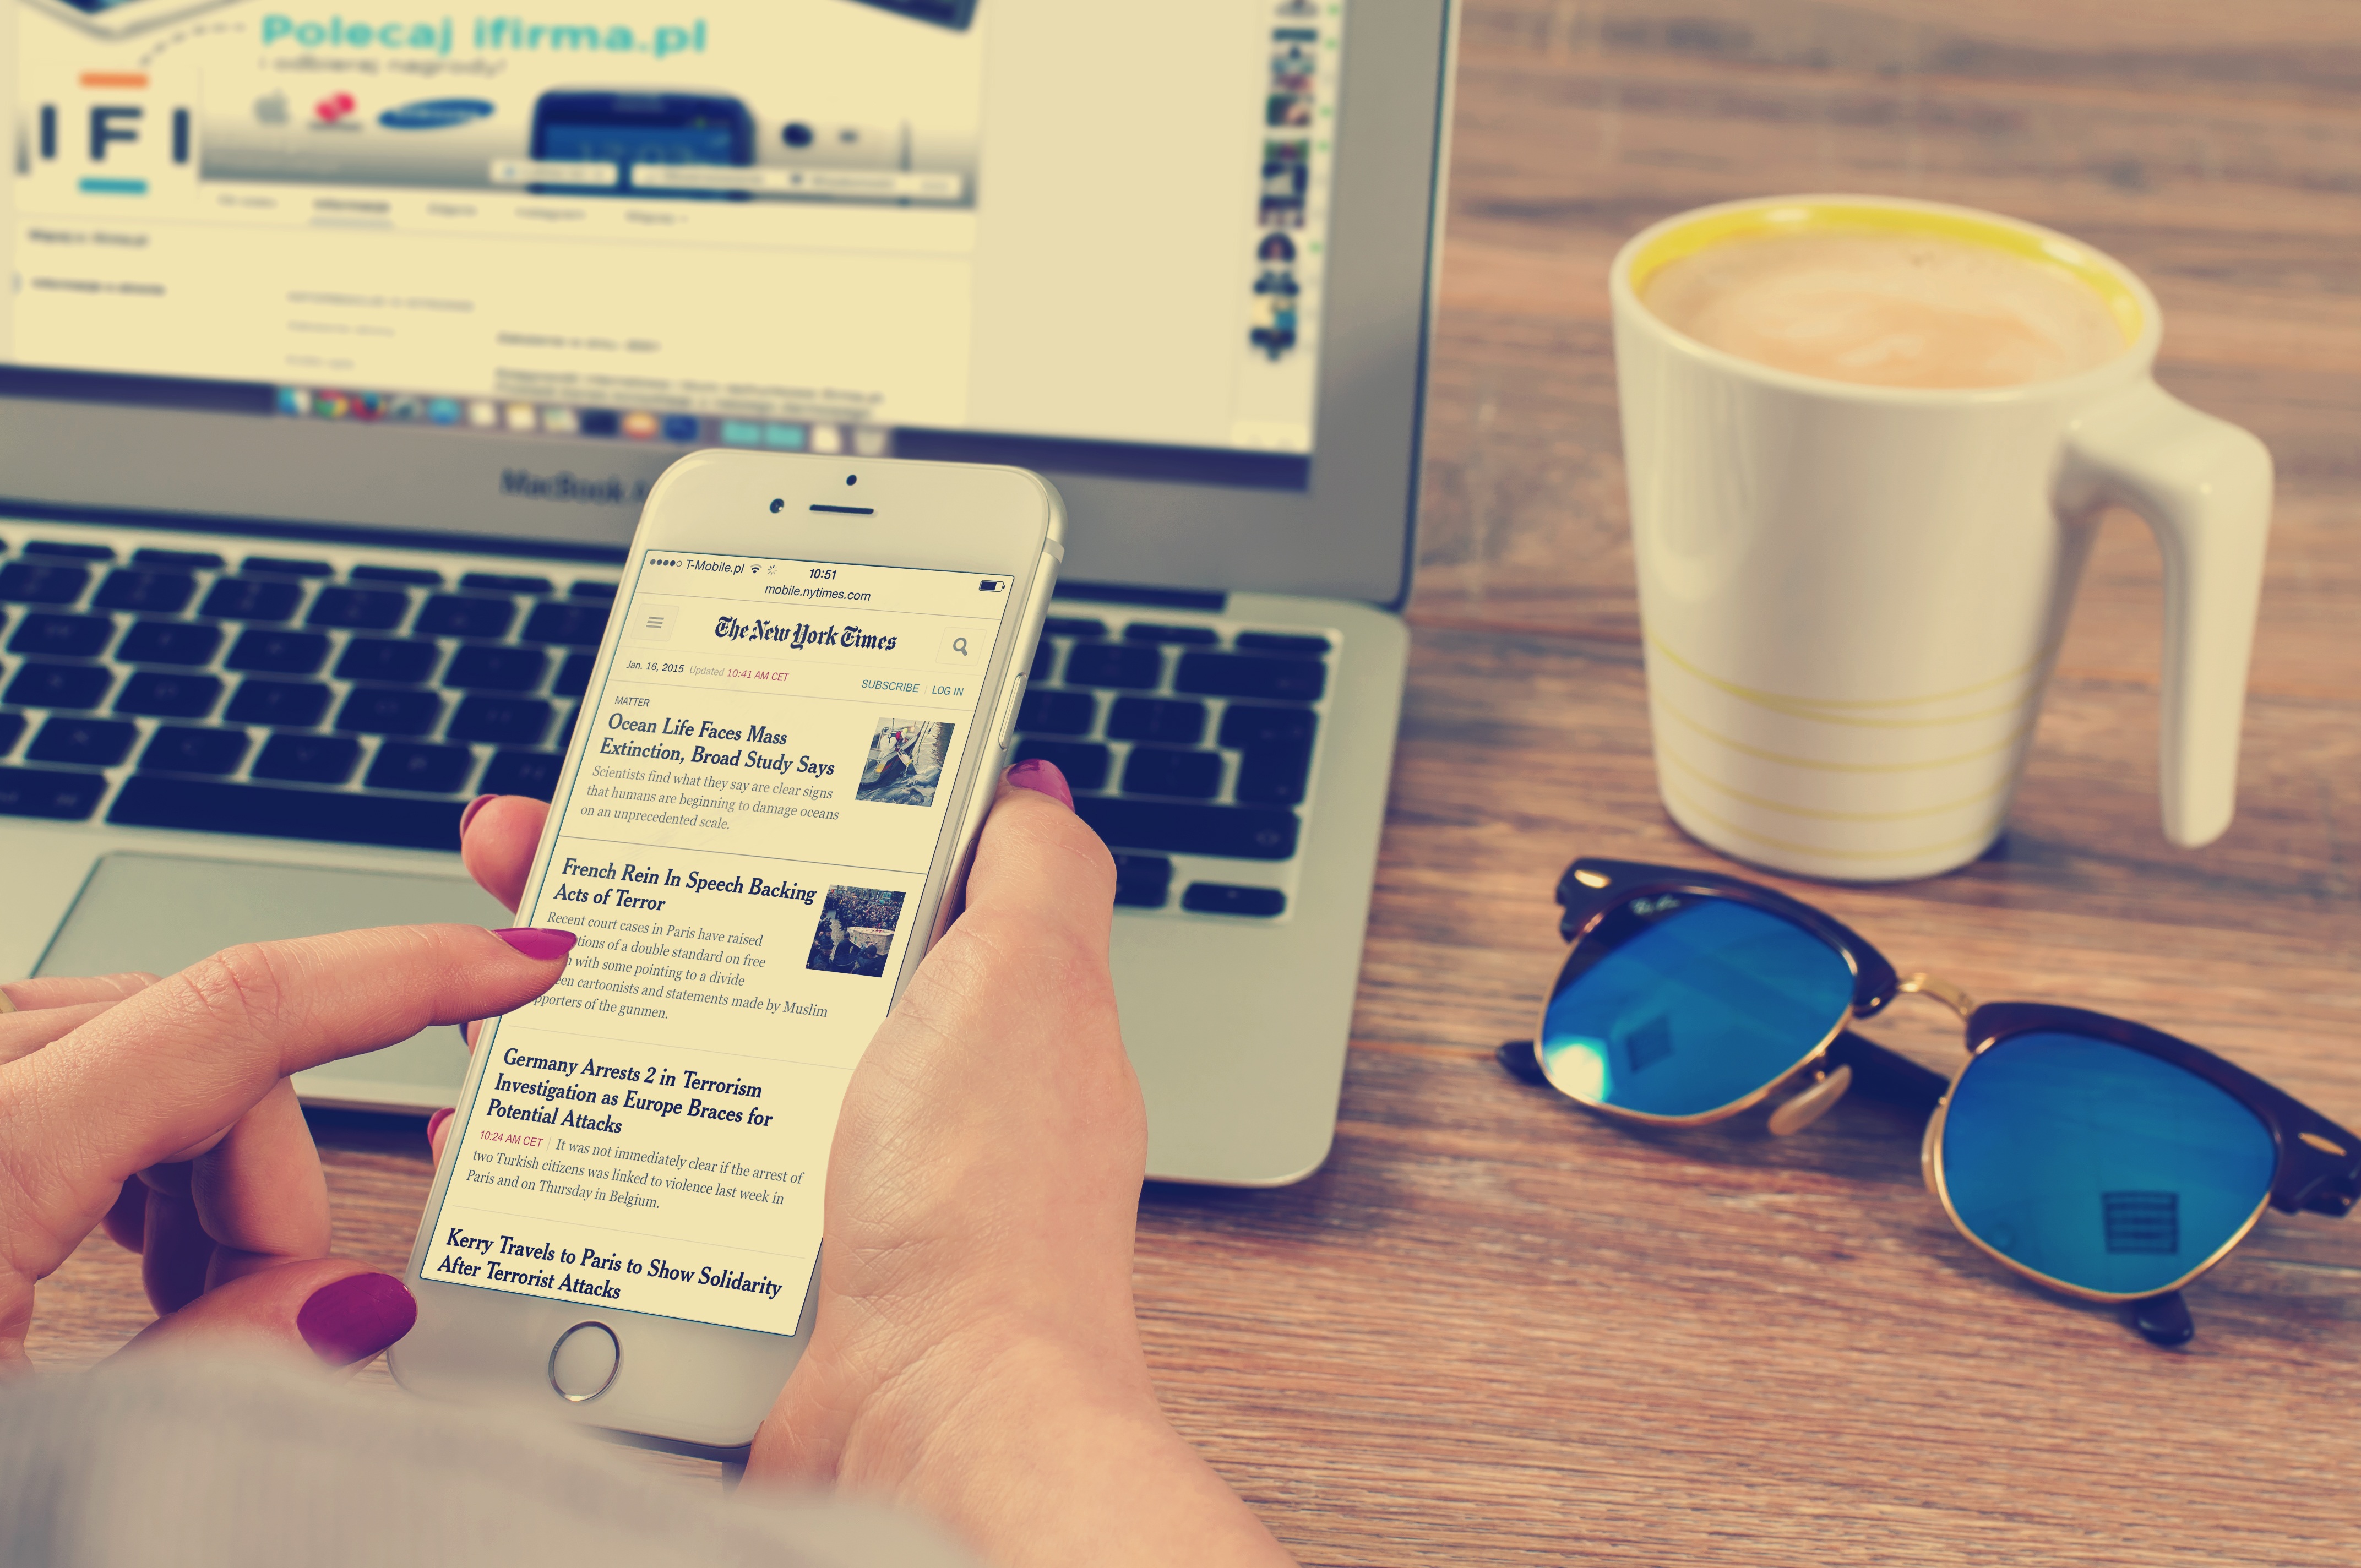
(435, 1123)
(538, 942)
(474, 806)
(1042, 777)
(356, 1318)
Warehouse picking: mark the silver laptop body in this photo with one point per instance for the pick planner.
(267, 629)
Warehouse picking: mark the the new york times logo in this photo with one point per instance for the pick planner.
(611, 491)
(801, 635)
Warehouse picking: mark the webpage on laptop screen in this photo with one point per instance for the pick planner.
(767, 779)
(789, 223)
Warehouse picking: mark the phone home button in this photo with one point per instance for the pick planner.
(584, 1361)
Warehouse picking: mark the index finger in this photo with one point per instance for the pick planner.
(187, 1056)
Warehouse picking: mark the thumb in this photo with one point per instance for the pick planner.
(340, 1312)
(1038, 864)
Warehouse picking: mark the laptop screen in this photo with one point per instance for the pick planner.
(1061, 234)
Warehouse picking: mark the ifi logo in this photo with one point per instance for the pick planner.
(113, 138)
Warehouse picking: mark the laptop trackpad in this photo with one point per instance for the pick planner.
(162, 913)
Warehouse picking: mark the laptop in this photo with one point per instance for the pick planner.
(343, 350)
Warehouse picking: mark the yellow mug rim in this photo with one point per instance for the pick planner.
(1794, 216)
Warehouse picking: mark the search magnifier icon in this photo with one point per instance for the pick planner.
(959, 646)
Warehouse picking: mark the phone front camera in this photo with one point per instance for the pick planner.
(852, 478)
(794, 133)
(777, 503)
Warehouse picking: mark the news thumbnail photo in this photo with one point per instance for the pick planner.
(904, 763)
(856, 930)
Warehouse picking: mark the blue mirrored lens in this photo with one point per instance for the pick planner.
(1701, 1003)
(2098, 1165)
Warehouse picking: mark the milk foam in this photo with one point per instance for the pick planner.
(1886, 310)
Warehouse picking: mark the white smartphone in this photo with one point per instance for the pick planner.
(789, 738)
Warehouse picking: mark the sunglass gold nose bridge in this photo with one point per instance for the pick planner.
(1941, 990)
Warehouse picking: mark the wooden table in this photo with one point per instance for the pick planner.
(1495, 1330)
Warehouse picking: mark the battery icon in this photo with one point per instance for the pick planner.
(994, 585)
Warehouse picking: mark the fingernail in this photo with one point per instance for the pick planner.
(1041, 775)
(474, 806)
(435, 1123)
(356, 1317)
(538, 942)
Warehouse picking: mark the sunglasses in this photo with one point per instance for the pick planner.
(2098, 1157)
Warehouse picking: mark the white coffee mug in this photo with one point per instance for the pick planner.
(1852, 595)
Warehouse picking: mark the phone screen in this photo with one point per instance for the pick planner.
(766, 780)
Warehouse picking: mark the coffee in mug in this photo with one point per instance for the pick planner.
(1887, 310)
(1868, 440)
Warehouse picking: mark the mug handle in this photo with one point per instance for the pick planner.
(2204, 488)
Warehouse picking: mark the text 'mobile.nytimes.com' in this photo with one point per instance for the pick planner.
(741, 856)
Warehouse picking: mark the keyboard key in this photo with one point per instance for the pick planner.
(313, 759)
(1147, 631)
(1245, 725)
(1282, 642)
(1114, 665)
(515, 721)
(1161, 770)
(575, 678)
(93, 742)
(12, 725)
(494, 583)
(524, 772)
(169, 642)
(415, 576)
(71, 552)
(1084, 765)
(432, 770)
(1148, 718)
(388, 659)
(282, 704)
(1239, 832)
(156, 593)
(390, 710)
(1045, 659)
(59, 686)
(1274, 773)
(31, 582)
(1221, 898)
(279, 652)
(281, 566)
(1143, 882)
(169, 694)
(176, 749)
(157, 800)
(1073, 626)
(243, 598)
(566, 730)
(451, 614)
(1057, 713)
(63, 636)
(499, 669)
(603, 592)
(1248, 675)
(179, 560)
(364, 609)
(62, 797)
(573, 625)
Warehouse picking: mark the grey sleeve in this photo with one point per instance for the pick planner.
(172, 1465)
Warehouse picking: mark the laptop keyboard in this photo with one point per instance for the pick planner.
(1189, 743)
(359, 696)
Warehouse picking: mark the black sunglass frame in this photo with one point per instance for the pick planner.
(2319, 1163)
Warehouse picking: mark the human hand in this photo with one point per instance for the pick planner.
(975, 1354)
(162, 1110)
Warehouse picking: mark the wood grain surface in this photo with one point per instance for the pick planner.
(1495, 1330)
